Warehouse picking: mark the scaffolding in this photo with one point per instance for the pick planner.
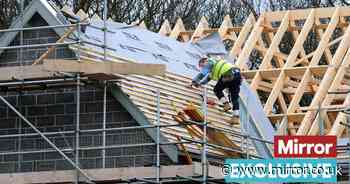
(76, 79)
(157, 126)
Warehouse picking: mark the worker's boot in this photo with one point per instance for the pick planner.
(235, 117)
(225, 104)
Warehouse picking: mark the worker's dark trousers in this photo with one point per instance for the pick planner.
(233, 87)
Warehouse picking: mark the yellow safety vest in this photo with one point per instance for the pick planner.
(220, 67)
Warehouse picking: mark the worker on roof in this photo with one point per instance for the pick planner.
(227, 76)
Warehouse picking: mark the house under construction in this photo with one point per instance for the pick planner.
(89, 100)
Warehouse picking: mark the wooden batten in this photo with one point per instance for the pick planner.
(54, 67)
(140, 90)
(109, 68)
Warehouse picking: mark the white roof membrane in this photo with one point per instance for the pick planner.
(143, 46)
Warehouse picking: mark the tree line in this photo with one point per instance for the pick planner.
(154, 12)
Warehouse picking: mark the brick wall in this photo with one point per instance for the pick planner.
(55, 111)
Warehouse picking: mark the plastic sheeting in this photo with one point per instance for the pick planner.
(254, 120)
(140, 45)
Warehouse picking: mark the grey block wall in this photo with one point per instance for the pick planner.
(55, 111)
(11, 57)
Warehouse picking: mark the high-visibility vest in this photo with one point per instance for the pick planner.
(220, 67)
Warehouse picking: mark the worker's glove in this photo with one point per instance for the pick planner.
(195, 84)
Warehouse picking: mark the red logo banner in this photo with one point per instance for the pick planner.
(305, 146)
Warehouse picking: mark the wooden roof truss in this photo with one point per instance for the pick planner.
(292, 78)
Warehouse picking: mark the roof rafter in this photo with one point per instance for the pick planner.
(291, 58)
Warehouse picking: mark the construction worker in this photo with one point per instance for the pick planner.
(227, 77)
